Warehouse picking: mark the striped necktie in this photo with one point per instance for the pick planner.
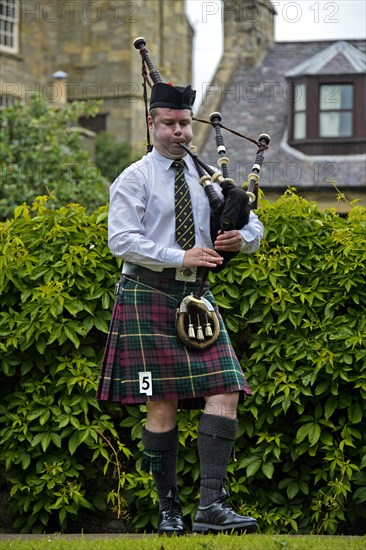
(184, 223)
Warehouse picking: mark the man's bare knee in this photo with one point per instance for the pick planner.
(222, 405)
(161, 415)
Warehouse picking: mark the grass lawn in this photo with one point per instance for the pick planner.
(190, 542)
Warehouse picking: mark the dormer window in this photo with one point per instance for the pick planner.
(327, 102)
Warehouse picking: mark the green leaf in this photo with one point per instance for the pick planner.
(303, 432)
(44, 417)
(45, 441)
(71, 335)
(56, 439)
(62, 515)
(26, 460)
(101, 324)
(330, 406)
(315, 433)
(103, 216)
(41, 345)
(74, 442)
(292, 490)
(355, 413)
(254, 466)
(268, 469)
(360, 495)
(128, 422)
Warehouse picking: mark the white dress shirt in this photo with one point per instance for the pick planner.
(141, 220)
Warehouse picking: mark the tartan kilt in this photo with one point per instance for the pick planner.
(143, 338)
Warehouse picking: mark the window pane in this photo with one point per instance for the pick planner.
(299, 97)
(335, 124)
(300, 126)
(347, 96)
(336, 96)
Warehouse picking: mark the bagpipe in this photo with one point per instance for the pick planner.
(197, 322)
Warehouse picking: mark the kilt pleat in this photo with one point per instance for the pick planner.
(142, 338)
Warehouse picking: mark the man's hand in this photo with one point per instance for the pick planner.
(230, 241)
(202, 257)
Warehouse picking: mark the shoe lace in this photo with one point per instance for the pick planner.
(225, 494)
(225, 489)
(171, 505)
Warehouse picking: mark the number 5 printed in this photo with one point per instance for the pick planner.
(145, 382)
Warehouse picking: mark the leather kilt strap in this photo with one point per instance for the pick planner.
(183, 274)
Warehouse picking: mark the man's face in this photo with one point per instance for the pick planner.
(169, 128)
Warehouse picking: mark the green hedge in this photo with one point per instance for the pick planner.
(296, 312)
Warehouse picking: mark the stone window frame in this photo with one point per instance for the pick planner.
(9, 26)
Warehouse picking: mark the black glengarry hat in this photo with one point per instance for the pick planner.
(172, 97)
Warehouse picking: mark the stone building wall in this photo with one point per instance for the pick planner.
(92, 41)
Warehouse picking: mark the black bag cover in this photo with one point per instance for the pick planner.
(233, 213)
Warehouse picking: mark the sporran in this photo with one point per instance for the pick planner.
(197, 322)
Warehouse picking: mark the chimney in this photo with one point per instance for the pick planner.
(248, 29)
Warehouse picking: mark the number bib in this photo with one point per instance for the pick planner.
(145, 383)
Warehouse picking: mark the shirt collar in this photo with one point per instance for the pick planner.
(166, 163)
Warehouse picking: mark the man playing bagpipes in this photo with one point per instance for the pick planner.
(159, 224)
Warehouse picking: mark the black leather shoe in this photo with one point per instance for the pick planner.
(170, 519)
(220, 516)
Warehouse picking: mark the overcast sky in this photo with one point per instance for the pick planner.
(295, 20)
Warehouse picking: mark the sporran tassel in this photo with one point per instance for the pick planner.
(191, 333)
(208, 329)
(200, 335)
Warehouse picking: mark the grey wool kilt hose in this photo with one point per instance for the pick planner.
(143, 339)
